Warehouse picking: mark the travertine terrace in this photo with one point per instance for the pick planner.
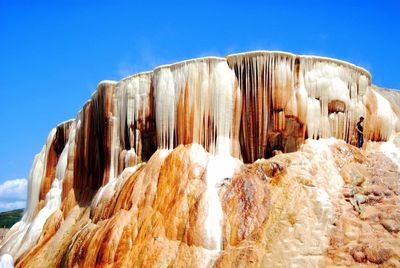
(167, 168)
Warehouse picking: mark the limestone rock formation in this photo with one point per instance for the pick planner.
(174, 168)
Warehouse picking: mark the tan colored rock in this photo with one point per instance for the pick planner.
(377, 255)
(154, 215)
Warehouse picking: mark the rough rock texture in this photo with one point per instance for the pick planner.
(327, 204)
(367, 229)
(166, 168)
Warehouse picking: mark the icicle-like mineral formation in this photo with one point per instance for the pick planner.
(288, 98)
(196, 101)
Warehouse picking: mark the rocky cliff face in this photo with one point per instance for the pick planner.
(167, 168)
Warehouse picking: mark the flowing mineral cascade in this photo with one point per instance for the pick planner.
(202, 96)
(188, 165)
(17, 232)
(22, 230)
(215, 175)
(287, 98)
(29, 231)
(197, 101)
(34, 181)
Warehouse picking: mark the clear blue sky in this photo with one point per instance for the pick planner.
(53, 55)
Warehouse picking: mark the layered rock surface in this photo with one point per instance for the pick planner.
(160, 169)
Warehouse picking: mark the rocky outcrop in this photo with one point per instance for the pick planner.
(327, 204)
(366, 230)
(167, 168)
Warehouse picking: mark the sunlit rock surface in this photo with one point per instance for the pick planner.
(167, 168)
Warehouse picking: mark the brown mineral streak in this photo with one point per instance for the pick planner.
(56, 146)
